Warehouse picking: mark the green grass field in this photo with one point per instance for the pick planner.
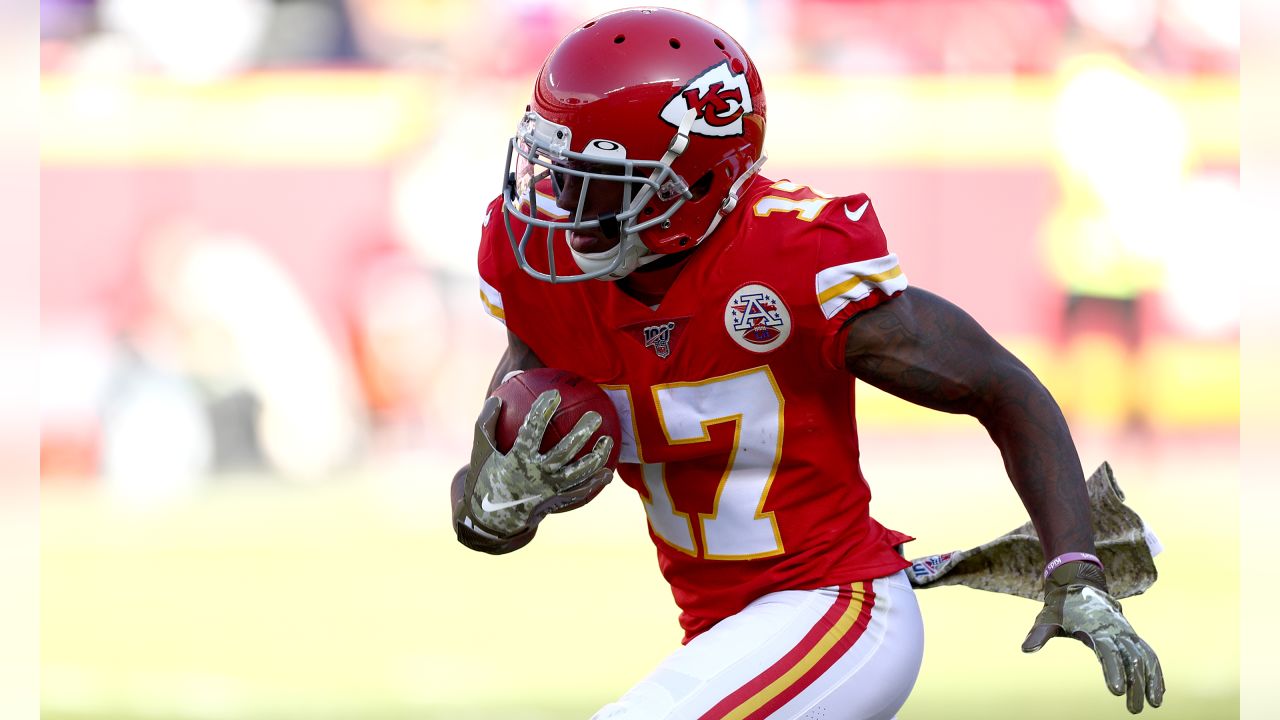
(352, 600)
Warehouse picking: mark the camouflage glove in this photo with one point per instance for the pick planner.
(1077, 604)
(505, 496)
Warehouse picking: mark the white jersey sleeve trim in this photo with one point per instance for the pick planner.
(840, 285)
(492, 301)
(546, 206)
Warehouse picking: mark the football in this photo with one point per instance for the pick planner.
(577, 396)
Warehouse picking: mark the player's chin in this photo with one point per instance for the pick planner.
(590, 244)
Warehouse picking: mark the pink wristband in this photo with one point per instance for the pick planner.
(1059, 561)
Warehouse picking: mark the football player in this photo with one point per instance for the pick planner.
(637, 243)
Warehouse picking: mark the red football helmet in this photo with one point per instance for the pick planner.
(661, 102)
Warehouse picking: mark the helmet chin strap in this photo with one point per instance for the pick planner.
(637, 256)
(731, 198)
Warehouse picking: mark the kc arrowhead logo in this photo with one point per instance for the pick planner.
(720, 98)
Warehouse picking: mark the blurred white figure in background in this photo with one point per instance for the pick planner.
(1137, 222)
(191, 40)
(1203, 239)
(400, 330)
(77, 355)
(1209, 24)
(157, 441)
(1130, 24)
(228, 316)
(1124, 149)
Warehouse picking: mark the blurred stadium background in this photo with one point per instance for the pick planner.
(262, 347)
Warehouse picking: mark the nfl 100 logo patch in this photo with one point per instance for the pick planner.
(757, 319)
(658, 337)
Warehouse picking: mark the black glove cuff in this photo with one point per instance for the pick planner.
(484, 543)
(1076, 573)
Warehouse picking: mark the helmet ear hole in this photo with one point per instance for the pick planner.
(700, 188)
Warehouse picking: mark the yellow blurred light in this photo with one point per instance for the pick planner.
(294, 118)
(354, 117)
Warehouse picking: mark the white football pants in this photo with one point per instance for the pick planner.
(845, 652)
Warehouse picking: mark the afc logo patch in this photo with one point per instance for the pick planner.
(757, 319)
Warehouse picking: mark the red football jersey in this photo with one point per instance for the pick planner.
(737, 410)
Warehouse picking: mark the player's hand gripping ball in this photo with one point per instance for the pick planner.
(546, 441)
(578, 396)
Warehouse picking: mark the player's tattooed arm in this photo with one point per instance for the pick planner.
(517, 356)
(926, 350)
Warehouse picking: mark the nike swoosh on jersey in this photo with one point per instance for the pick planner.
(489, 506)
(856, 215)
